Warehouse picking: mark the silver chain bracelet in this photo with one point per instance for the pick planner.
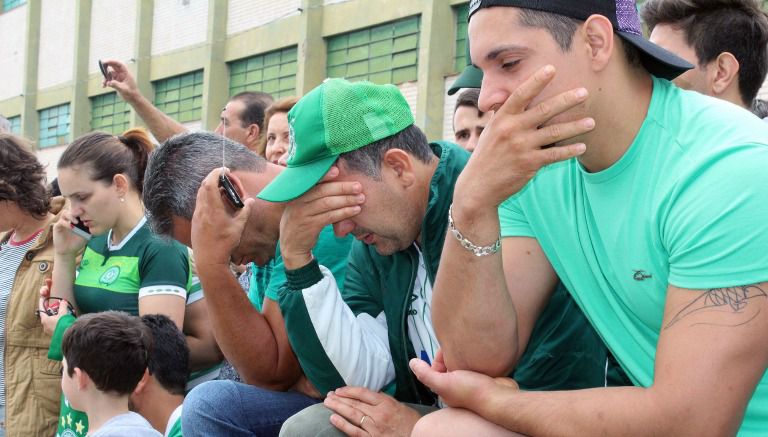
(470, 246)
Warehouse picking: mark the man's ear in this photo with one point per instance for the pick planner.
(722, 73)
(598, 35)
(142, 385)
(400, 163)
(253, 131)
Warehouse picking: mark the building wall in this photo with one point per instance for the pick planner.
(57, 43)
(13, 34)
(178, 24)
(113, 32)
(247, 14)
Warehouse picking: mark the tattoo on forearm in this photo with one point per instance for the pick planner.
(732, 299)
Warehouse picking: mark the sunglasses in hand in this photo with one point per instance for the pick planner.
(51, 306)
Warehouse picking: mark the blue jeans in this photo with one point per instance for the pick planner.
(228, 408)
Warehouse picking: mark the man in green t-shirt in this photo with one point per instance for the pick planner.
(182, 180)
(657, 228)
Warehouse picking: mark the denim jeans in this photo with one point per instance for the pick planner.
(228, 408)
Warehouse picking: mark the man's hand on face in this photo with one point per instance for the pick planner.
(513, 146)
(362, 412)
(216, 226)
(327, 203)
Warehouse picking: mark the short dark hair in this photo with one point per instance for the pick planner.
(112, 347)
(712, 27)
(367, 159)
(22, 177)
(106, 155)
(169, 360)
(563, 28)
(469, 98)
(177, 168)
(255, 103)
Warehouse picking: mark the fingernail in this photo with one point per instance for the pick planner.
(581, 93)
(548, 70)
(581, 147)
(589, 123)
(360, 198)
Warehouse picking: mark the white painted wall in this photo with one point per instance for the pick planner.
(243, 15)
(410, 91)
(113, 31)
(178, 23)
(49, 157)
(13, 37)
(450, 102)
(57, 43)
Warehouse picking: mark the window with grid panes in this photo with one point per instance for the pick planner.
(54, 126)
(109, 113)
(273, 73)
(387, 53)
(15, 124)
(460, 58)
(10, 4)
(181, 97)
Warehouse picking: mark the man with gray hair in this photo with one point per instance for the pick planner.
(183, 200)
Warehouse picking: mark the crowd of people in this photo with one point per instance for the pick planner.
(585, 257)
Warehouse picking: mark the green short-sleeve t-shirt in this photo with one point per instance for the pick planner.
(330, 251)
(685, 206)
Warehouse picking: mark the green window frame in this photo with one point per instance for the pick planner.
(460, 57)
(12, 4)
(109, 113)
(386, 53)
(15, 124)
(54, 126)
(181, 97)
(273, 72)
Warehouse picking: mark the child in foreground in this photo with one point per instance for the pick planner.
(105, 356)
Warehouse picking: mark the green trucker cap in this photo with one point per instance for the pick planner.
(336, 117)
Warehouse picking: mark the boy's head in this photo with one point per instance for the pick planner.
(725, 39)
(168, 361)
(108, 352)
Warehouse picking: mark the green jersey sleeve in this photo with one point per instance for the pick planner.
(164, 269)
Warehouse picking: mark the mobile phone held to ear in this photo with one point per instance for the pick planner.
(104, 71)
(81, 230)
(230, 192)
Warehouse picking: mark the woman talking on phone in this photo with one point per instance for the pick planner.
(124, 266)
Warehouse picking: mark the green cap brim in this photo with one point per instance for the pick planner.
(471, 77)
(293, 182)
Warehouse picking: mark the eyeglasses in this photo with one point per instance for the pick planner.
(51, 307)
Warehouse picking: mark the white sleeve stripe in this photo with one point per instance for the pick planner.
(195, 296)
(157, 290)
(358, 346)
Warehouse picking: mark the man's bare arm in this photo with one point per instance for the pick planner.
(161, 125)
(710, 357)
(471, 298)
(255, 344)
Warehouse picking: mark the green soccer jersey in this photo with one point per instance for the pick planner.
(685, 206)
(115, 278)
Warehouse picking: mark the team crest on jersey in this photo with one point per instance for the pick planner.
(110, 276)
(68, 433)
